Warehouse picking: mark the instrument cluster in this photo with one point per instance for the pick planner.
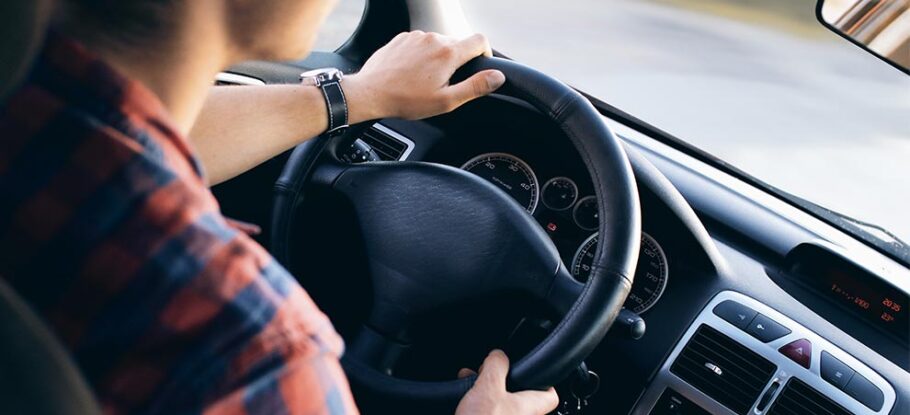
(571, 218)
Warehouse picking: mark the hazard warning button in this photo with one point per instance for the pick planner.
(799, 351)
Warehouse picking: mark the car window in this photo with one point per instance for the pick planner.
(340, 25)
(757, 83)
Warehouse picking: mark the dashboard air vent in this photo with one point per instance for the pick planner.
(386, 143)
(723, 369)
(798, 398)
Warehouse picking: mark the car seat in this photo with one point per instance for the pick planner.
(37, 374)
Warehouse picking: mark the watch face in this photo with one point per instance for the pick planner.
(320, 76)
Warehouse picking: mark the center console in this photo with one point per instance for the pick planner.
(743, 357)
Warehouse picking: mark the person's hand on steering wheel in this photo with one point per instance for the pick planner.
(489, 396)
(409, 77)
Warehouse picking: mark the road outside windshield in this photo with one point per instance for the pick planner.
(757, 83)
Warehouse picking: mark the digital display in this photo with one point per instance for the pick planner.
(872, 299)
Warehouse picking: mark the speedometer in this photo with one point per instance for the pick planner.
(650, 274)
(510, 174)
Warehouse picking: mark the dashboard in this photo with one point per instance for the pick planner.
(702, 246)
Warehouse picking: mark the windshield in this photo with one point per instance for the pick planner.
(757, 83)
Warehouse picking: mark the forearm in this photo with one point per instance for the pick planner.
(242, 126)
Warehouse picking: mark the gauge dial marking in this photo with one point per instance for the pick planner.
(650, 274)
(509, 173)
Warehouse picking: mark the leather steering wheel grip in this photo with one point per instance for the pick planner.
(587, 321)
(613, 268)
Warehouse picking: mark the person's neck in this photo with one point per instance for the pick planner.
(180, 77)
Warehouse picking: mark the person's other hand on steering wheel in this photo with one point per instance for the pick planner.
(489, 396)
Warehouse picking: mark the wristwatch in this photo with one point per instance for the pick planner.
(329, 81)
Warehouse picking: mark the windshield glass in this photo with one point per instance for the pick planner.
(757, 83)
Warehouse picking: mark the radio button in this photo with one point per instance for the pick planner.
(735, 313)
(834, 371)
(765, 329)
(865, 392)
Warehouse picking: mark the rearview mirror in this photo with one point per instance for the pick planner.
(881, 27)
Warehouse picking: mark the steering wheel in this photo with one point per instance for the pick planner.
(437, 235)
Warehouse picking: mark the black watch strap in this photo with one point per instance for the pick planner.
(337, 106)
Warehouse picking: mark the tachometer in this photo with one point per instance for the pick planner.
(509, 173)
(650, 274)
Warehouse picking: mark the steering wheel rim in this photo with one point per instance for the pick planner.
(588, 310)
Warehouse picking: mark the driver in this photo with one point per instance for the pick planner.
(109, 230)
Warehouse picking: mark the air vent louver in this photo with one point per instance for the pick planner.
(387, 147)
(798, 398)
(723, 369)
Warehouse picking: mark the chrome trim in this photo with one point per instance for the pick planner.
(578, 251)
(544, 190)
(660, 251)
(396, 135)
(237, 79)
(522, 163)
(666, 271)
(781, 383)
(317, 77)
(786, 368)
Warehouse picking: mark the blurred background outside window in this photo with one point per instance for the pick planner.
(758, 83)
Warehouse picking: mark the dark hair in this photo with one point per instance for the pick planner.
(116, 21)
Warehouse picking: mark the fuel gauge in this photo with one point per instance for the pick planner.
(559, 193)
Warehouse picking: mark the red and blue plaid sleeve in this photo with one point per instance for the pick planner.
(107, 229)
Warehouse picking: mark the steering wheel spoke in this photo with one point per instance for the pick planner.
(375, 350)
(563, 293)
(326, 173)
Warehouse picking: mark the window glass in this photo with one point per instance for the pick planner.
(758, 83)
(340, 25)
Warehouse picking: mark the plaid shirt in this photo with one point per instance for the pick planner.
(108, 230)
